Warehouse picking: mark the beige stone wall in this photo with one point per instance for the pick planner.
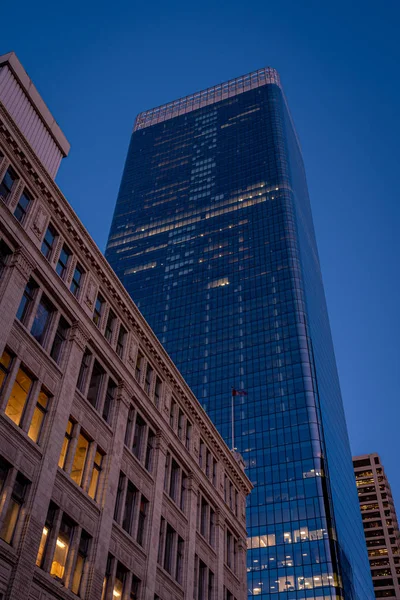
(136, 399)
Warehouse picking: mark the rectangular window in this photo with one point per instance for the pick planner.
(76, 282)
(78, 464)
(188, 434)
(202, 580)
(109, 400)
(174, 479)
(98, 374)
(182, 505)
(107, 577)
(148, 378)
(14, 509)
(5, 253)
(110, 325)
(5, 367)
(27, 300)
(121, 341)
(214, 473)
(151, 438)
(140, 427)
(83, 551)
(129, 426)
(142, 520)
(62, 547)
(46, 534)
(210, 585)
(208, 463)
(63, 260)
(135, 588)
(98, 310)
(19, 395)
(118, 499)
(172, 414)
(4, 469)
(42, 320)
(119, 582)
(212, 527)
(139, 365)
(181, 422)
(157, 392)
(66, 444)
(22, 206)
(161, 541)
(6, 185)
(179, 561)
(59, 340)
(201, 454)
(203, 518)
(39, 415)
(48, 243)
(129, 508)
(93, 490)
(84, 369)
(169, 543)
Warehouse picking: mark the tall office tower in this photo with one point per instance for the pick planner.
(381, 527)
(213, 238)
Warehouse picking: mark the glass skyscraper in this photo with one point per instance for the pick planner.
(213, 238)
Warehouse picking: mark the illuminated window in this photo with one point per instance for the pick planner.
(19, 396)
(46, 534)
(83, 551)
(5, 366)
(62, 547)
(79, 462)
(119, 582)
(96, 473)
(66, 444)
(39, 415)
(14, 509)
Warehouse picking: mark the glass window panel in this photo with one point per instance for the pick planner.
(22, 206)
(42, 320)
(79, 461)
(66, 443)
(19, 395)
(62, 547)
(39, 414)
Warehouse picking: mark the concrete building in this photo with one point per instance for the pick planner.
(114, 482)
(381, 527)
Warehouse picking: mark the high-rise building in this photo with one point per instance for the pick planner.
(381, 527)
(102, 494)
(213, 238)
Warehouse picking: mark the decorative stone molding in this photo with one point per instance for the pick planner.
(161, 441)
(79, 335)
(133, 350)
(167, 400)
(91, 292)
(124, 393)
(16, 193)
(23, 263)
(193, 482)
(40, 220)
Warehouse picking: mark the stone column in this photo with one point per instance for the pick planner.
(15, 277)
(102, 541)
(155, 517)
(220, 550)
(42, 488)
(190, 550)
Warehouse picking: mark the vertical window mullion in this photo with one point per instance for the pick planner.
(30, 406)
(72, 448)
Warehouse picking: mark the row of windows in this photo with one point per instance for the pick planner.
(82, 459)
(14, 490)
(171, 551)
(131, 509)
(175, 482)
(96, 385)
(140, 438)
(64, 550)
(119, 582)
(206, 519)
(26, 400)
(203, 580)
(7, 185)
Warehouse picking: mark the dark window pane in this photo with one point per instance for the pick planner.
(95, 383)
(26, 301)
(22, 206)
(59, 340)
(76, 280)
(48, 242)
(62, 263)
(42, 320)
(8, 181)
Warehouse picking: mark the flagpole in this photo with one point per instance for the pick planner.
(233, 420)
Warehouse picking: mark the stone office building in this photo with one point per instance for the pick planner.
(114, 484)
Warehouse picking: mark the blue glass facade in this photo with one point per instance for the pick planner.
(213, 238)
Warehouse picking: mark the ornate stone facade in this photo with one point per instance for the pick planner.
(114, 482)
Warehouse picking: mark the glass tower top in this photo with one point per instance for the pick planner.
(213, 238)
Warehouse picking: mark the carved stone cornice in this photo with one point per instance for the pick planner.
(79, 335)
(23, 263)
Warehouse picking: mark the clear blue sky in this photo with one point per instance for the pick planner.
(98, 64)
